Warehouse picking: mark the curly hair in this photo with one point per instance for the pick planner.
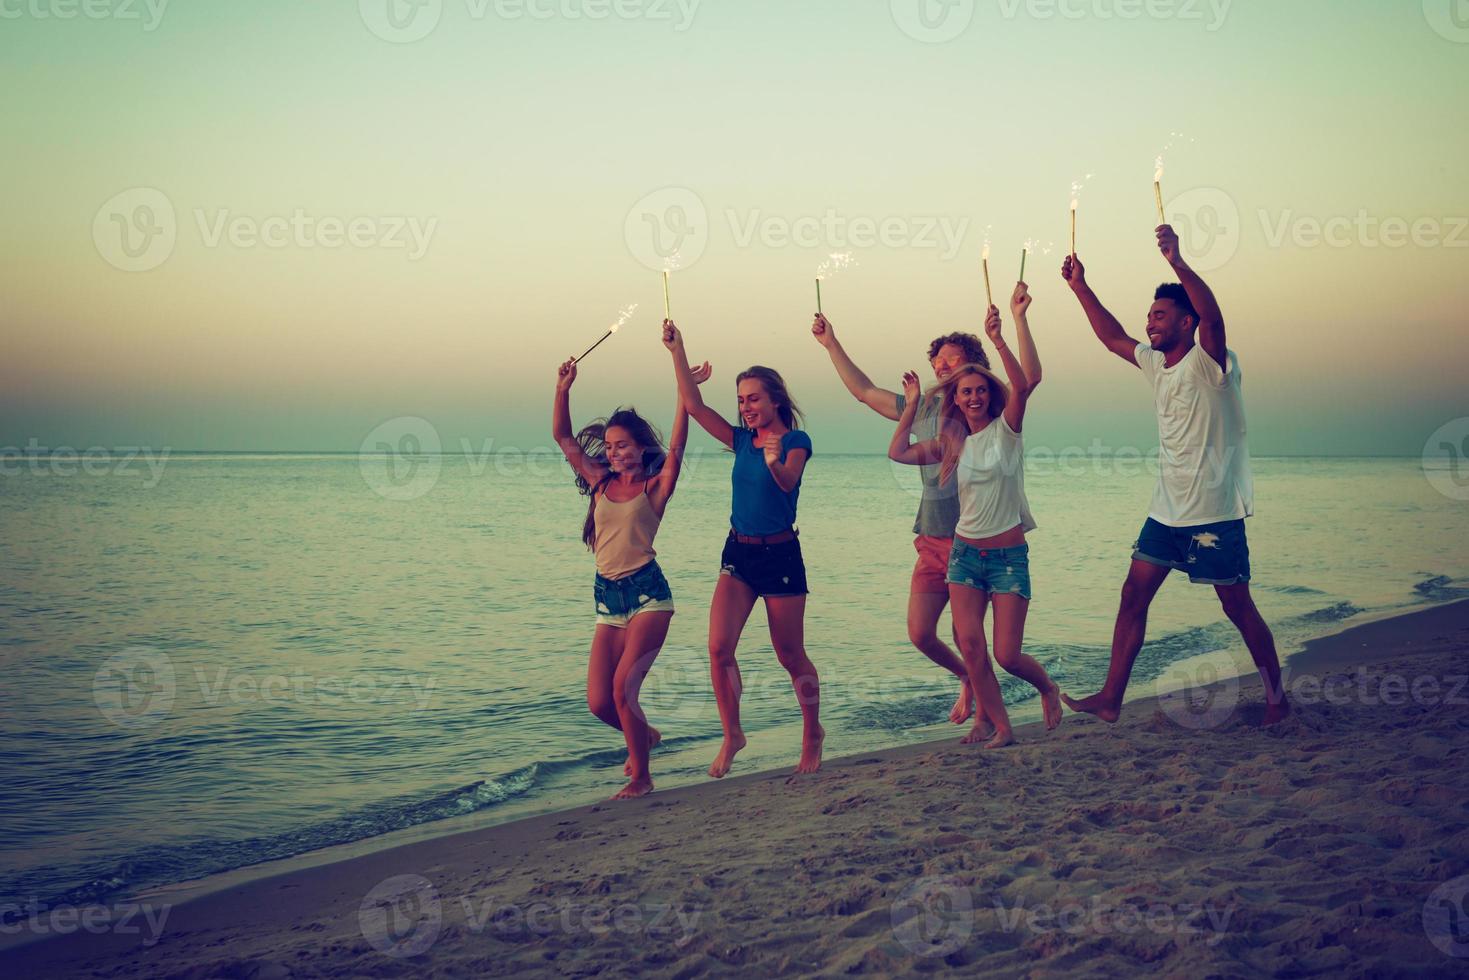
(972, 346)
(593, 440)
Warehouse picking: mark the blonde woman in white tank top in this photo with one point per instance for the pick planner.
(980, 445)
(622, 466)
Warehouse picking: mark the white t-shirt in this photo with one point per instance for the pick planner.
(1204, 461)
(991, 479)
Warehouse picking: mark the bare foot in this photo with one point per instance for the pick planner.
(1051, 707)
(1276, 713)
(634, 789)
(1001, 739)
(982, 730)
(654, 737)
(811, 752)
(964, 707)
(1095, 705)
(725, 758)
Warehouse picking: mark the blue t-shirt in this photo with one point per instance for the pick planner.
(760, 506)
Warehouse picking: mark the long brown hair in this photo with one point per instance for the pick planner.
(953, 429)
(775, 387)
(593, 440)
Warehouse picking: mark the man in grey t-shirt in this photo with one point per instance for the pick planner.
(938, 510)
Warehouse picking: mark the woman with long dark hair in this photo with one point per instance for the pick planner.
(628, 477)
(762, 554)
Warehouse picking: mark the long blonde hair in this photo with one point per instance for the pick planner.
(953, 429)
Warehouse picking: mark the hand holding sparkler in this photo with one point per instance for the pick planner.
(822, 330)
(1073, 272)
(672, 339)
(1168, 245)
(566, 375)
(992, 328)
(1020, 301)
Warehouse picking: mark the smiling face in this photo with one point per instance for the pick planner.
(757, 411)
(949, 357)
(624, 455)
(972, 394)
(1168, 325)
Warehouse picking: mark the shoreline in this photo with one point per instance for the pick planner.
(268, 899)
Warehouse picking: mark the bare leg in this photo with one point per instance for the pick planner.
(1010, 613)
(1143, 581)
(787, 615)
(969, 607)
(645, 636)
(924, 610)
(1239, 606)
(728, 612)
(607, 645)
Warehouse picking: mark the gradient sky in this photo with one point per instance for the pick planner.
(528, 142)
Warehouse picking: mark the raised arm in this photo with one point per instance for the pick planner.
(880, 400)
(688, 389)
(903, 449)
(1020, 383)
(668, 478)
(1104, 324)
(586, 467)
(786, 474)
(1211, 320)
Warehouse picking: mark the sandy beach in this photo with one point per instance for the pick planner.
(1183, 841)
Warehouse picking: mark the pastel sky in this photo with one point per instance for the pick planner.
(534, 148)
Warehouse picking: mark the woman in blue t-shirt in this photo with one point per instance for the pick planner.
(762, 555)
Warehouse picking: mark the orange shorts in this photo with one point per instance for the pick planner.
(931, 573)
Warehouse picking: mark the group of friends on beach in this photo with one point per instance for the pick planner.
(964, 432)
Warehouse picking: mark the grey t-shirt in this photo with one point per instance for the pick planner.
(938, 511)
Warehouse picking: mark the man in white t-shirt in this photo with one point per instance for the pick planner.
(1197, 520)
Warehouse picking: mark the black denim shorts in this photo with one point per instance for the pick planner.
(768, 569)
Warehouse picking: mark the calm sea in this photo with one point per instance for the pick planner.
(253, 657)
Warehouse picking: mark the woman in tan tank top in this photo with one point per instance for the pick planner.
(622, 467)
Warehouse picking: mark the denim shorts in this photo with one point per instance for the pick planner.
(619, 600)
(998, 571)
(1212, 554)
(768, 569)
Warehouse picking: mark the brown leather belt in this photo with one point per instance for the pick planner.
(780, 538)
